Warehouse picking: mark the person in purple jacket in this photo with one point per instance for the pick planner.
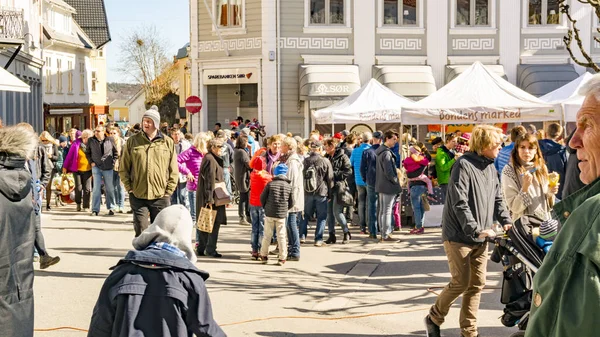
(189, 162)
(78, 163)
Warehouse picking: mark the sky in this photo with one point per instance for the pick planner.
(171, 18)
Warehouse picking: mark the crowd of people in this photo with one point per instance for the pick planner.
(282, 183)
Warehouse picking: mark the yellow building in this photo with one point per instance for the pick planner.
(119, 111)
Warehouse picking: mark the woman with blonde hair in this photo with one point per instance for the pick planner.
(77, 163)
(51, 148)
(525, 181)
(189, 162)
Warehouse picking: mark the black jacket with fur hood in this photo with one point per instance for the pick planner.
(17, 232)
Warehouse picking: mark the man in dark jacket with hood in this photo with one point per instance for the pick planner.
(555, 154)
(156, 290)
(17, 231)
(473, 201)
(368, 171)
(342, 170)
(387, 184)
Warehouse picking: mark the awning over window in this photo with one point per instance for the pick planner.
(408, 81)
(327, 81)
(540, 79)
(452, 71)
(9, 82)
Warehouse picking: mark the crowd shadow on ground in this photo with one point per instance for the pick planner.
(483, 331)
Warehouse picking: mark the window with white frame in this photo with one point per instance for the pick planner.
(473, 13)
(543, 12)
(70, 77)
(48, 67)
(229, 13)
(59, 76)
(82, 77)
(327, 12)
(400, 12)
(94, 80)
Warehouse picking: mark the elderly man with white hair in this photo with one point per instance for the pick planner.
(566, 289)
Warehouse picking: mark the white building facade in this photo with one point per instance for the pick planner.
(74, 68)
(21, 55)
(276, 60)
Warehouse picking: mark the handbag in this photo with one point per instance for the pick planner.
(344, 197)
(206, 219)
(221, 195)
(425, 203)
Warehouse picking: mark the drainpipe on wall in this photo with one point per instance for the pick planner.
(278, 36)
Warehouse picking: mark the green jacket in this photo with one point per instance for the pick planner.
(566, 289)
(443, 165)
(149, 168)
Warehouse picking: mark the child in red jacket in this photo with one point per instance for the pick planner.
(259, 178)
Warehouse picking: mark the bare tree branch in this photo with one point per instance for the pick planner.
(144, 59)
(574, 34)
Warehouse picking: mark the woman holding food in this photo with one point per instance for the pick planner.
(527, 187)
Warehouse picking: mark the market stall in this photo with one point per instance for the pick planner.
(477, 96)
(568, 96)
(373, 103)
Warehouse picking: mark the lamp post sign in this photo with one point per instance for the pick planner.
(193, 104)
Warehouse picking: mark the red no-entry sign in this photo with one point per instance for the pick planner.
(193, 104)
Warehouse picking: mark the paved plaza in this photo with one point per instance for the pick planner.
(360, 289)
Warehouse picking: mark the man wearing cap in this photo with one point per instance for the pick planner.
(318, 179)
(148, 170)
(368, 174)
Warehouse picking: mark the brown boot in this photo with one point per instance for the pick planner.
(47, 261)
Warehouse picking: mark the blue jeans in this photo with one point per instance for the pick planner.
(292, 233)
(179, 196)
(362, 206)
(227, 177)
(109, 188)
(417, 204)
(386, 203)
(372, 210)
(335, 213)
(257, 215)
(192, 208)
(312, 203)
(119, 191)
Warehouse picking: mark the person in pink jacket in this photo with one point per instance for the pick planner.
(189, 162)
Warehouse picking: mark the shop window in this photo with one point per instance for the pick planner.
(473, 13)
(229, 13)
(543, 12)
(327, 12)
(400, 12)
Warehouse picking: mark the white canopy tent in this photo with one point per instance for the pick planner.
(9, 82)
(568, 96)
(374, 102)
(478, 95)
